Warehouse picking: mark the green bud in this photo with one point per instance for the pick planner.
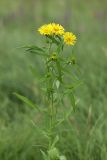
(53, 154)
(54, 57)
(73, 60)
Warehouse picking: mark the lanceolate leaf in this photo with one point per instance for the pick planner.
(55, 141)
(45, 157)
(38, 53)
(74, 85)
(72, 99)
(27, 101)
(33, 47)
(36, 50)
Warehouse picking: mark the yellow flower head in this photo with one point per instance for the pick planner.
(51, 29)
(69, 38)
(57, 29)
(45, 29)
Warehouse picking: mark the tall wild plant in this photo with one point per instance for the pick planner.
(59, 82)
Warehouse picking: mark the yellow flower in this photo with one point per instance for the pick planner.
(45, 29)
(57, 29)
(69, 38)
(51, 29)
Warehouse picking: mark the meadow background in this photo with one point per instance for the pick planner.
(84, 136)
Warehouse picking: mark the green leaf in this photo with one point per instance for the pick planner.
(33, 47)
(45, 157)
(38, 53)
(72, 99)
(36, 50)
(74, 85)
(55, 141)
(60, 121)
(27, 101)
(57, 83)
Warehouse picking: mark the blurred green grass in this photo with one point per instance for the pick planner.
(85, 134)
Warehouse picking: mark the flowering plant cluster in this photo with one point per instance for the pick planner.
(59, 81)
(53, 29)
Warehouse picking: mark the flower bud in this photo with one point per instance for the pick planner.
(73, 60)
(54, 57)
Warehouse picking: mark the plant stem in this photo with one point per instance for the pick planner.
(51, 122)
(51, 102)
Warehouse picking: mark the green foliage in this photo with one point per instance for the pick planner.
(27, 101)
